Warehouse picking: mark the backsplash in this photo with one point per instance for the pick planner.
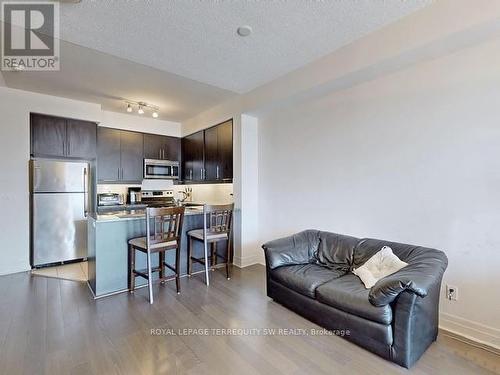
(203, 193)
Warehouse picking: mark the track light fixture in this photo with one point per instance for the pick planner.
(142, 107)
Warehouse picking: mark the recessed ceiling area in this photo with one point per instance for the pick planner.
(96, 77)
(186, 56)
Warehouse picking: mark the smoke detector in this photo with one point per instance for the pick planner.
(244, 30)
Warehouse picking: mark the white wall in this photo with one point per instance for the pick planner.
(144, 124)
(411, 157)
(15, 107)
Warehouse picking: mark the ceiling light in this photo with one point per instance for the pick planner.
(244, 30)
(155, 114)
(129, 108)
(140, 110)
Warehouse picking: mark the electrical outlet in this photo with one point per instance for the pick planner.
(451, 292)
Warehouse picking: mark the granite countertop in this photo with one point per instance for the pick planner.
(137, 214)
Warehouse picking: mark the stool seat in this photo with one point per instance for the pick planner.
(198, 234)
(140, 242)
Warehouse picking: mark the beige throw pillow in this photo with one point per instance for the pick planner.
(382, 264)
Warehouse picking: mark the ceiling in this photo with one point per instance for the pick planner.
(96, 77)
(185, 56)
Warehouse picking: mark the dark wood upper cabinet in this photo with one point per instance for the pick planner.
(48, 135)
(193, 157)
(208, 154)
(225, 150)
(161, 147)
(211, 154)
(53, 136)
(132, 153)
(82, 139)
(108, 154)
(119, 155)
(219, 152)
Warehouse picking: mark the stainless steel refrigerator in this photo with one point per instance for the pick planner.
(59, 209)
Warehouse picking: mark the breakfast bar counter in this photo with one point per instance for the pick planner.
(108, 236)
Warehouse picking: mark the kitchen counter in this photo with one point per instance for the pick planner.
(108, 236)
(137, 214)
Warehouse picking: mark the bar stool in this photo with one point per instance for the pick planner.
(165, 235)
(217, 220)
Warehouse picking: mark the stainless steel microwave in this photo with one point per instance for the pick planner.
(161, 169)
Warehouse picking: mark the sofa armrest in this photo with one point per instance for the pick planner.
(425, 267)
(295, 249)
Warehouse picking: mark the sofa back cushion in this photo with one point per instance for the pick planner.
(367, 247)
(335, 251)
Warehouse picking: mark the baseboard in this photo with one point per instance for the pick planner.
(243, 262)
(470, 332)
(15, 270)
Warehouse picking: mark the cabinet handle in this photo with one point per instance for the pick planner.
(217, 172)
(118, 173)
(190, 174)
(159, 153)
(163, 154)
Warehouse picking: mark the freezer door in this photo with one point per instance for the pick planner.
(59, 228)
(53, 176)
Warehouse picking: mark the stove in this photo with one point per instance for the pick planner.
(158, 198)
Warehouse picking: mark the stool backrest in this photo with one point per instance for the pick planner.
(218, 218)
(167, 224)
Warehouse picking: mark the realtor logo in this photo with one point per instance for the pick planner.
(30, 35)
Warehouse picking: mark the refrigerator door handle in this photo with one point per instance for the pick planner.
(85, 192)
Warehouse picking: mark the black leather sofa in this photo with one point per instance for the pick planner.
(310, 273)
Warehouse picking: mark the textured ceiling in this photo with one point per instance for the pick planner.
(197, 39)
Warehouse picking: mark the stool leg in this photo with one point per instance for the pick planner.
(150, 278)
(214, 254)
(161, 258)
(131, 267)
(178, 268)
(190, 262)
(205, 246)
(228, 259)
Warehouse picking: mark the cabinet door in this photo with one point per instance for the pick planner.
(171, 148)
(48, 136)
(211, 154)
(132, 156)
(108, 154)
(225, 150)
(192, 155)
(153, 146)
(81, 139)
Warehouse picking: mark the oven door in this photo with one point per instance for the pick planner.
(160, 169)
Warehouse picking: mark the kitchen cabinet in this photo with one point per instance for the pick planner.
(208, 154)
(119, 155)
(82, 139)
(132, 156)
(193, 157)
(53, 136)
(161, 147)
(221, 156)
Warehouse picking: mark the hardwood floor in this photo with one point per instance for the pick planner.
(51, 326)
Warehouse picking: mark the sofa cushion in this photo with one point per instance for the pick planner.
(348, 293)
(304, 278)
(335, 251)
